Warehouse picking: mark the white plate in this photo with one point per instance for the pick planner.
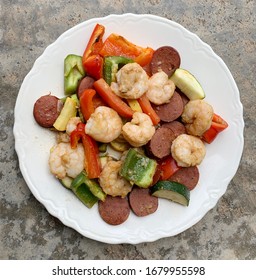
(33, 143)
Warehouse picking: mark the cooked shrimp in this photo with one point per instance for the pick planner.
(104, 125)
(62, 137)
(65, 161)
(72, 123)
(188, 150)
(111, 182)
(160, 88)
(197, 116)
(132, 81)
(139, 131)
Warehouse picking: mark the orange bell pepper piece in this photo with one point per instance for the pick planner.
(114, 101)
(116, 45)
(148, 109)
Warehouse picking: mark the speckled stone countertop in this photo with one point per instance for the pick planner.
(27, 230)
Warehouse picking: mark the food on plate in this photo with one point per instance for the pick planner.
(104, 124)
(218, 124)
(131, 81)
(172, 110)
(67, 112)
(188, 176)
(197, 117)
(112, 182)
(142, 202)
(65, 161)
(160, 88)
(177, 127)
(165, 59)
(131, 128)
(188, 84)
(73, 73)
(139, 130)
(46, 110)
(85, 83)
(161, 142)
(91, 184)
(188, 150)
(138, 169)
(111, 66)
(173, 191)
(115, 210)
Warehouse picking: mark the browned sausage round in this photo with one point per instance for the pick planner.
(188, 176)
(170, 111)
(176, 126)
(141, 202)
(161, 142)
(184, 98)
(46, 110)
(165, 59)
(114, 210)
(85, 83)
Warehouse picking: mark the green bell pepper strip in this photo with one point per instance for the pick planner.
(111, 65)
(83, 191)
(73, 73)
(84, 194)
(138, 169)
(91, 184)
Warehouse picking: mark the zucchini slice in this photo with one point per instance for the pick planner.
(173, 191)
(120, 146)
(188, 84)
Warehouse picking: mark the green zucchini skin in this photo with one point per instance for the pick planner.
(87, 190)
(173, 191)
(138, 169)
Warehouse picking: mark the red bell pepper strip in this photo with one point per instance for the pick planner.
(92, 164)
(114, 101)
(218, 125)
(95, 43)
(168, 167)
(98, 101)
(86, 103)
(116, 45)
(147, 109)
(93, 66)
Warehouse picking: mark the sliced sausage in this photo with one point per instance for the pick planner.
(141, 202)
(161, 142)
(176, 126)
(183, 96)
(46, 110)
(170, 111)
(165, 59)
(114, 210)
(188, 176)
(85, 83)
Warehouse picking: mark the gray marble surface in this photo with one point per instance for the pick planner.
(27, 230)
